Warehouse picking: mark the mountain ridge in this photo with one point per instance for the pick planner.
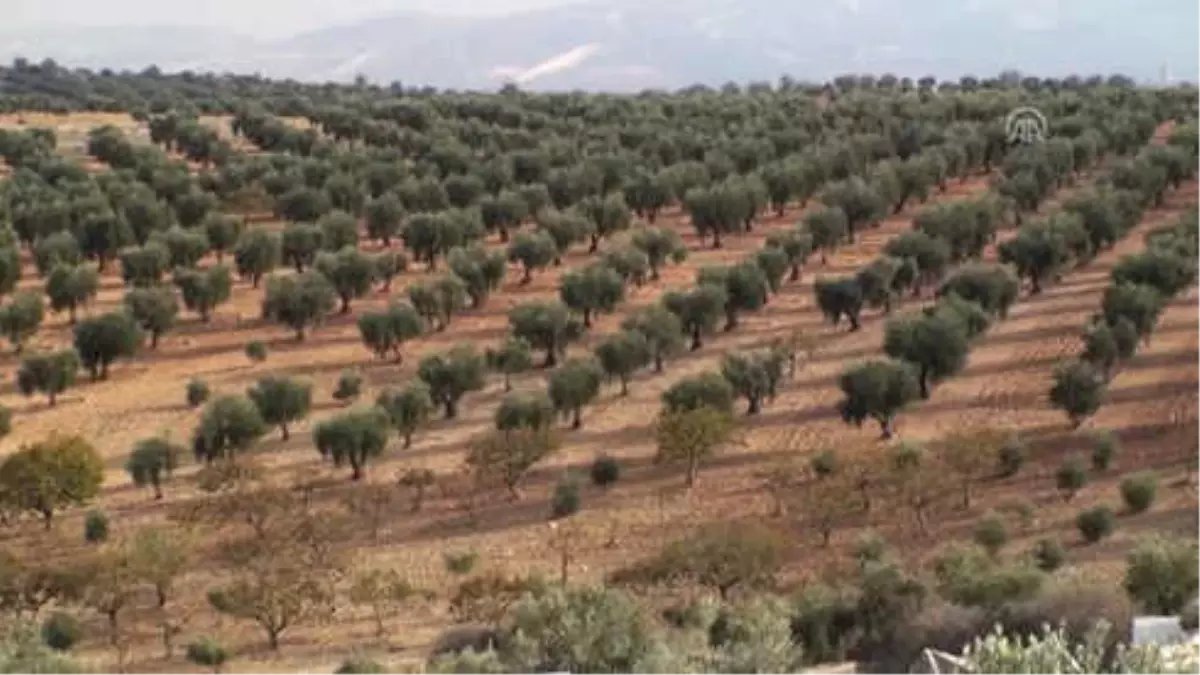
(624, 45)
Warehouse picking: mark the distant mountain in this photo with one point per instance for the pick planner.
(628, 45)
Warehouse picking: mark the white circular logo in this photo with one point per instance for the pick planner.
(1025, 125)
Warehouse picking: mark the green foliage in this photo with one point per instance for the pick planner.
(349, 385)
(839, 297)
(534, 250)
(451, 375)
(1140, 305)
(299, 245)
(460, 563)
(514, 356)
(828, 227)
(71, 287)
(574, 385)
(151, 462)
(877, 390)
(992, 287)
(256, 351)
(708, 389)
(95, 527)
(299, 302)
(23, 651)
(990, 533)
(229, 425)
(746, 288)
(21, 318)
(1161, 575)
(185, 248)
(503, 457)
(51, 373)
(385, 331)
(523, 410)
(973, 578)
(480, 269)
(1078, 390)
(154, 309)
(256, 254)
(349, 271)
(408, 409)
(144, 266)
(353, 437)
(935, 343)
(622, 354)
(754, 375)
(1095, 523)
(661, 245)
(207, 652)
(697, 309)
(690, 436)
(103, 339)
(1105, 445)
(1011, 457)
(281, 401)
(6, 415)
(1139, 490)
(438, 300)
(360, 666)
(61, 631)
(567, 498)
(1053, 651)
(604, 471)
(1048, 555)
(51, 475)
(595, 288)
(721, 556)
(1070, 477)
(546, 326)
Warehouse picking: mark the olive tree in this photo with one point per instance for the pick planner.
(546, 326)
(228, 425)
(103, 339)
(595, 288)
(349, 271)
(71, 287)
(353, 437)
(143, 266)
(753, 375)
(745, 285)
(49, 373)
(385, 331)
(935, 343)
(566, 228)
(661, 329)
(796, 244)
(690, 436)
(534, 250)
(993, 287)
(839, 297)
(407, 408)
(151, 462)
(204, 290)
(21, 317)
(878, 390)
(154, 309)
(573, 385)
(660, 246)
(257, 254)
(384, 216)
(1079, 390)
(480, 269)
(299, 245)
(451, 375)
(512, 357)
(622, 354)
(525, 410)
(299, 302)
(51, 475)
(706, 390)
(184, 248)
(281, 401)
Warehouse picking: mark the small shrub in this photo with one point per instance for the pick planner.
(360, 666)
(567, 499)
(197, 392)
(61, 631)
(1139, 490)
(1095, 524)
(461, 563)
(207, 652)
(605, 471)
(256, 351)
(1163, 574)
(95, 527)
(991, 534)
(824, 464)
(1104, 447)
(1048, 555)
(1024, 512)
(349, 386)
(1011, 457)
(1070, 478)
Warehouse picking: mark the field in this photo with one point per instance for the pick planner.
(1152, 408)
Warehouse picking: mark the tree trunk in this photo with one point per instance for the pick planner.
(158, 494)
(697, 343)
(624, 385)
(587, 318)
(53, 399)
(595, 243)
(854, 325)
(658, 363)
(885, 426)
(507, 382)
(730, 319)
(272, 638)
(754, 406)
(345, 304)
(283, 428)
(527, 276)
(795, 273)
(577, 419)
(692, 469)
(407, 440)
(451, 407)
(923, 382)
(153, 341)
(551, 357)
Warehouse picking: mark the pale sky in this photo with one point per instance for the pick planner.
(262, 18)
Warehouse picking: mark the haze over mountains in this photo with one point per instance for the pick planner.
(625, 45)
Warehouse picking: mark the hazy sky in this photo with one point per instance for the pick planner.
(251, 17)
